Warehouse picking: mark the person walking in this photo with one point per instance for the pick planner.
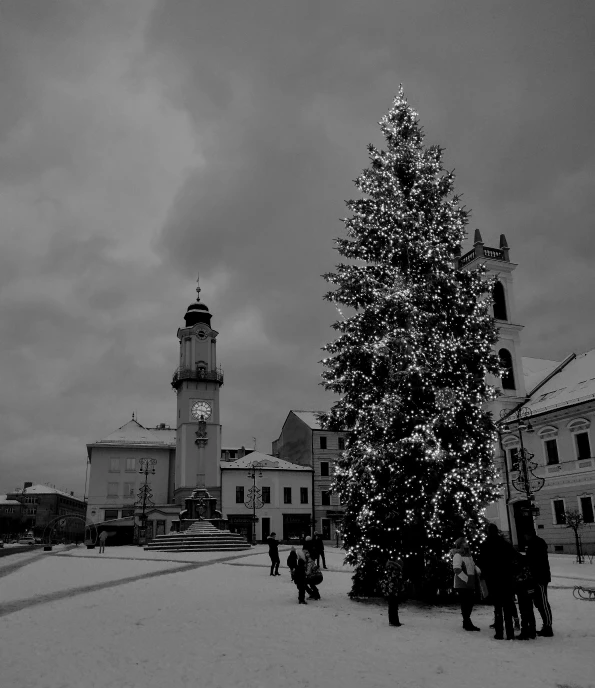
(102, 539)
(466, 573)
(292, 560)
(391, 585)
(274, 554)
(496, 556)
(539, 565)
(319, 549)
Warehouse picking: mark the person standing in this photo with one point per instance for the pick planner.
(102, 539)
(524, 587)
(299, 577)
(292, 560)
(496, 557)
(319, 549)
(464, 583)
(391, 586)
(274, 554)
(539, 565)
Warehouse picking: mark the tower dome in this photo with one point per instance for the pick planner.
(197, 312)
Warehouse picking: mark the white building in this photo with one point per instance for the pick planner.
(285, 492)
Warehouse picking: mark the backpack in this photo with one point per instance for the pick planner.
(313, 573)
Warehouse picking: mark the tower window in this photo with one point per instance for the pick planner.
(499, 302)
(506, 363)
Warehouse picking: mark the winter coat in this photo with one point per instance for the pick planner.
(465, 570)
(273, 546)
(309, 547)
(391, 582)
(299, 575)
(523, 578)
(292, 559)
(496, 556)
(537, 560)
(317, 546)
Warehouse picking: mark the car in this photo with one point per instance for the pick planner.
(27, 540)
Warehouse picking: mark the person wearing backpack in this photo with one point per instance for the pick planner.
(313, 576)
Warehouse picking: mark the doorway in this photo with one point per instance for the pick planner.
(523, 520)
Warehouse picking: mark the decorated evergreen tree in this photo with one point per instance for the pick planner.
(409, 364)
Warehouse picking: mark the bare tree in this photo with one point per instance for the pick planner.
(574, 520)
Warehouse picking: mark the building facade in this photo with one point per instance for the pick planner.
(285, 491)
(302, 441)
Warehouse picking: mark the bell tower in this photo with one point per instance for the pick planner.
(197, 381)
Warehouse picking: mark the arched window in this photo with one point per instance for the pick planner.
(506, 363)
(499, 302)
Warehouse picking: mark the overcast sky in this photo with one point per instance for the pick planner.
(141, 141)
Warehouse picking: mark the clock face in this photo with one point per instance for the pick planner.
(201, 334)
(201, 409)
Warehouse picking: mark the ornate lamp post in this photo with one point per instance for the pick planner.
(147, 467)
(526, 480)
(254, 500)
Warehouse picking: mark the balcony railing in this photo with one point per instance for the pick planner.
(485, 252)
(182, 374)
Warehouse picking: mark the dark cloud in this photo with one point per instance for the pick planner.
(141, 141)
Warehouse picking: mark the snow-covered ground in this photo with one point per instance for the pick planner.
(218, 620)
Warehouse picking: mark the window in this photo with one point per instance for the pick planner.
(513, 458)
(583, 446)
(323, 442)
(114, 465)
(287, 495)
(239, 494)
(127, 513)
(499, 302)
(111, 514)
(232, 454)
(325, 496)
(587, 509)
(508, 374)
(112, 489)
(341, 444)
(303, 495)
(266, 495)
(324, 468)
(559, 509)
(551, 451)
(128, 489)
(130, 465)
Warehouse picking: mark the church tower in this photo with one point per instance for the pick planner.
(197, 382)
(497, 262)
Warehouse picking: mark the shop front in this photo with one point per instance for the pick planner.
(242, 524)
(294, 525)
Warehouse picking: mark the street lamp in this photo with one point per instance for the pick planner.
(526, 480)
(147, 467)
(254, 500)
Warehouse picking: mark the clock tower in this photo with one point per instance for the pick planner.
(197, 381)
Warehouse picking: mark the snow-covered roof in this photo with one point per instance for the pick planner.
(133, 433)
(535, 370)
(44, 489)
(266, 462)
(575, 382)
(309, 418)
(8, 502)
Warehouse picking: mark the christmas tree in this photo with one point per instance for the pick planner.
(409, 363)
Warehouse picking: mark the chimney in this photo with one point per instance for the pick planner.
(71, 493)
(241, 452)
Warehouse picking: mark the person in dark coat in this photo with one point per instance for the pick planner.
(319, 550)
(496, 558)
(292, 560)
(539, 565)
(274, 554)
(308, 546)
(524, 587)
(392, 586)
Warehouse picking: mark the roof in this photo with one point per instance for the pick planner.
(133, 433)
(535, 370)
(266, 461)
(10, 502)
(44, 489)
(309, 418)
(575, 382)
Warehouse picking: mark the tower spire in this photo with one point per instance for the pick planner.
(198, 289)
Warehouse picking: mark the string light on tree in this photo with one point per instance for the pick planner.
(410, 364)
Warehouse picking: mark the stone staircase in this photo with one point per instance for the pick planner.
(202, 536)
